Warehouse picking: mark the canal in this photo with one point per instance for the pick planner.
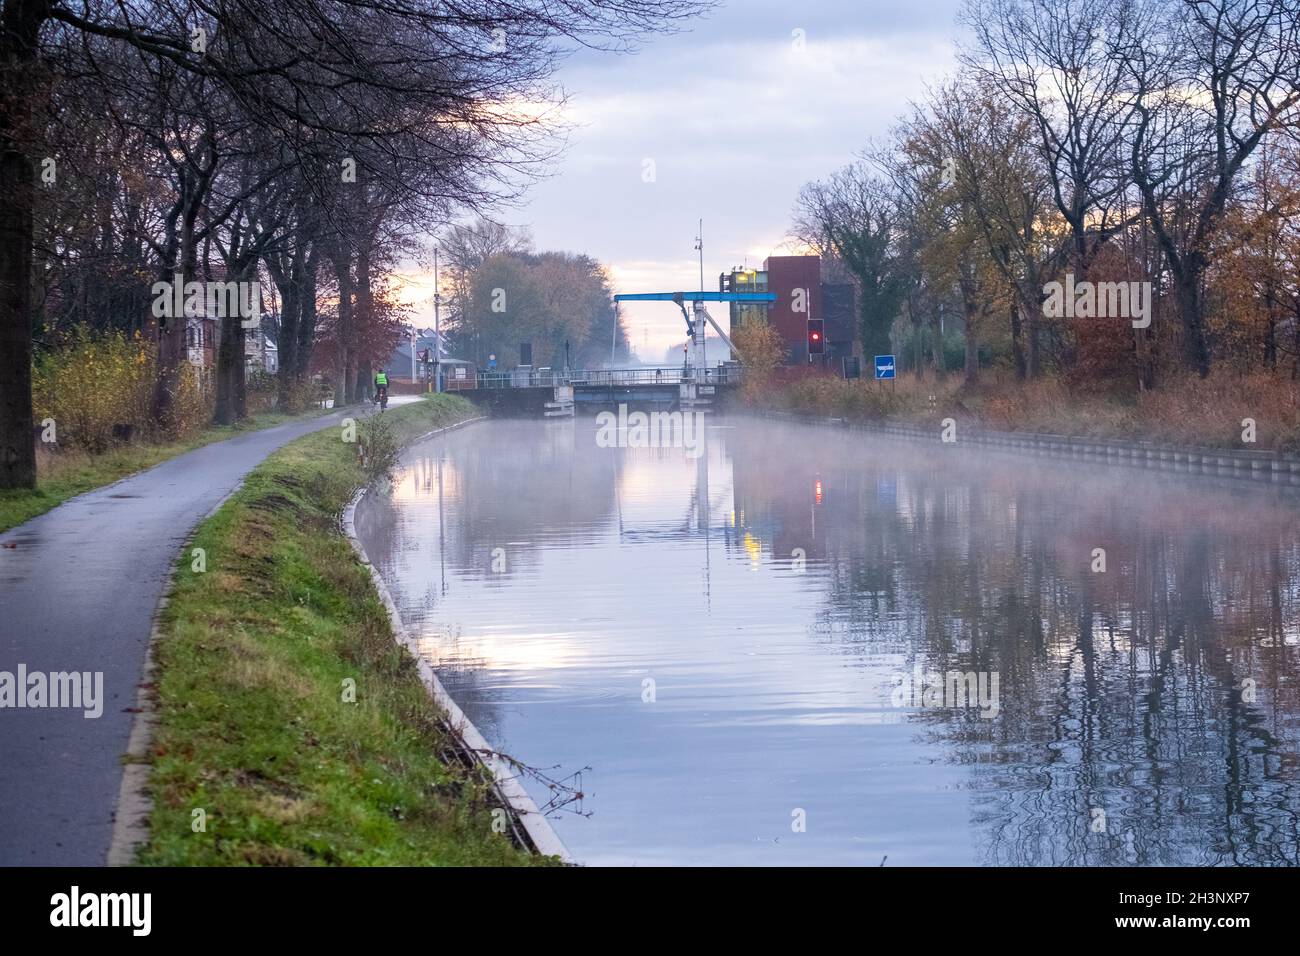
(747, 647)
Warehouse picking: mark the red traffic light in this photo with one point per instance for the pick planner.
(816, 340)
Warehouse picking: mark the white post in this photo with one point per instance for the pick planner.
(704, 333)
(437, 327)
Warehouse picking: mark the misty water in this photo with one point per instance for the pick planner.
(724, 634)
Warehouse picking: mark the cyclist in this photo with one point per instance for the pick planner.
(381, 388)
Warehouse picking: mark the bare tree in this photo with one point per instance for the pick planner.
(1208, 80)
(851, 215)
(331, 76)
(1053, 60)
(997, 174)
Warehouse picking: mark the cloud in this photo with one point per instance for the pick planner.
(736, 118)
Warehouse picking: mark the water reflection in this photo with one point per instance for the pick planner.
(719, 640)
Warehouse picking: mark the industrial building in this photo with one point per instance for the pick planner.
(801, 295)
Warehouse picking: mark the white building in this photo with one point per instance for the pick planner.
(261, 352)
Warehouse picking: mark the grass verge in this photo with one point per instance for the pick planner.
(72, 472)
(253, 660)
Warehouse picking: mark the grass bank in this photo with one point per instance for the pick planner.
(256, 725)
(66, 474)
(1190, 411)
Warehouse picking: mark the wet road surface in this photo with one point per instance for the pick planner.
(78, 592)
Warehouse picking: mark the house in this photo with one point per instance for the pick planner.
(203, 323)
(802, 292)
(201, 334)
(405, 365)
(261, 352)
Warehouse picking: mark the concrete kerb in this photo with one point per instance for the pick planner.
(511, 792)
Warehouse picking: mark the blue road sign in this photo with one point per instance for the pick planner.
(884, 366)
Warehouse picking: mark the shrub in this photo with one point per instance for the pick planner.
(379, 447)
(193, 408)
(1210, 411)
(260, 391)
(760, 350)
(299, 396)
(92, 383)
(863, 400)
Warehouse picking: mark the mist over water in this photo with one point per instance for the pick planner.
(779, 588)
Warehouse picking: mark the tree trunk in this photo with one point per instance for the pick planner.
(345, 386)
(918, 341)
(306, 317)
(288, 285)
(1017, 344)
(17, 440)
(232, 366)
(172, 331)
(1295, 343)
(20, 27)
(972, 354)
(1033, 313)
(230, 359)
(365, 318)
(936, 346)
(970, 309)
(1270, 330)
(239, 374)
(1197, 354)
(354, 394)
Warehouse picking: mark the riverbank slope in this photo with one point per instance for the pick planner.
(291, 727)
(1224, 411)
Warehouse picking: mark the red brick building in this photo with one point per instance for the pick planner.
(801, 294)
(797, 282)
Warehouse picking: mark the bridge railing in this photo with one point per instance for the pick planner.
(626, 376)
(516, 378)
(546, 378)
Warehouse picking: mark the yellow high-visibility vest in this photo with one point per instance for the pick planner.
(381, 379)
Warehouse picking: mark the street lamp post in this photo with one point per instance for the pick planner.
(437, 327)
(415, 378)
(704, 332)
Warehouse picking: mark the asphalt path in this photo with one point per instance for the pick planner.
(79, 586)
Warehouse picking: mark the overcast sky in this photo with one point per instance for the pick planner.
(736, 118)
